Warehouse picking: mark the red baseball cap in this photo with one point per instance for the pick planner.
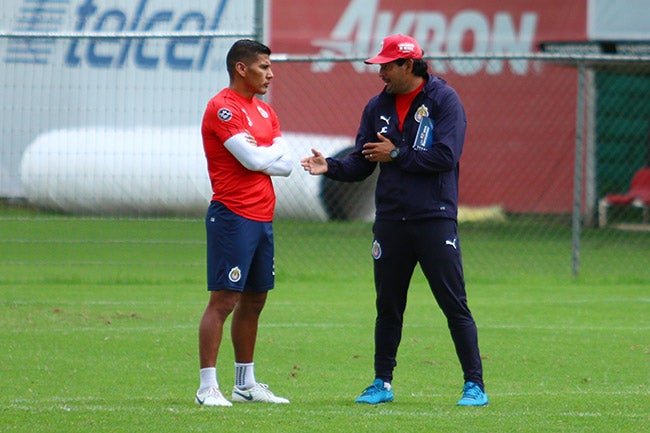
(397, 47)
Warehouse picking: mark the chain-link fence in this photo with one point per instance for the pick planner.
(542, 152)
(547, 141)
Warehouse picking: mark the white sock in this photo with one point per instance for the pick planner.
(244, 375)
(208, 377)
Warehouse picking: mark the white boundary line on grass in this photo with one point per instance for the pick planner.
(115, 327)
(93, 404)
(100, 241)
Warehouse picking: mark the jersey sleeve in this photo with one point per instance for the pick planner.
(224, 119)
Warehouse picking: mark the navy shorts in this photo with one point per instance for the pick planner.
(239, 251)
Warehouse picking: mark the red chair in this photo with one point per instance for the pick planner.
(638, 196)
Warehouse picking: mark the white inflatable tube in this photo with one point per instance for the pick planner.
(154, 171)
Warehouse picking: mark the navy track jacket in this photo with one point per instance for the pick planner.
(419, 183)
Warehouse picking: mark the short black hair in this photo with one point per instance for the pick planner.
(420, 67)
(244, 50)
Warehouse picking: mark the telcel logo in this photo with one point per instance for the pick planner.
(179, 53)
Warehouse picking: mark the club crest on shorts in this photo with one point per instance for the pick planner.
(235, 274)
(224, 114)
(376, 249)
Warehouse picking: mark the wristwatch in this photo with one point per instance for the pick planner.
(394, 153)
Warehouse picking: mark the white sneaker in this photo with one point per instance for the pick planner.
(211, 397)
(259, 393)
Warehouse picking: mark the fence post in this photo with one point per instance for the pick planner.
(577, 175)
(258, 21)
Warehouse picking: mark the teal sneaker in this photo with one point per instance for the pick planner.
(473, 395)
(378, 392)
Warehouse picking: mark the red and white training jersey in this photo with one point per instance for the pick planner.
(247, 193)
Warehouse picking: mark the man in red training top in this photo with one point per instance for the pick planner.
(244, 148)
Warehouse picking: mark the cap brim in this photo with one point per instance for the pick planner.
(379, 60)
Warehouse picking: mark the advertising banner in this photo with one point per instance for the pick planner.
(122, 87)
(54, 84)
(505, 152)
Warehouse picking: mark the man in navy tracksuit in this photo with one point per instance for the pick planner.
(414, 129)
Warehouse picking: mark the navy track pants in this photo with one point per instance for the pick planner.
(398, 247)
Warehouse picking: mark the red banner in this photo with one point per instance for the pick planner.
(520, 140)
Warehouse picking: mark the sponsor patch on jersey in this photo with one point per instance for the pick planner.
(225, 114)
(235, 274)
(376, 249)
(263, 112)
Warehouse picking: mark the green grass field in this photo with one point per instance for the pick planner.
(99, 317)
